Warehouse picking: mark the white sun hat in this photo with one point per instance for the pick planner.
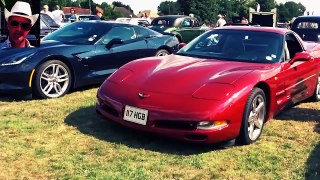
(21, 9)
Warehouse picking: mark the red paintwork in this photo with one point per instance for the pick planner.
(173, 83)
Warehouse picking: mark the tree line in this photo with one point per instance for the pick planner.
(205, 10)
(208, 10)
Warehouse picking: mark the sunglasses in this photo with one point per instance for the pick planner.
(24, 26)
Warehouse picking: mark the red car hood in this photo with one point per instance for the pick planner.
(180, 74)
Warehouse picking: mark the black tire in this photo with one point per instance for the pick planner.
(316, 94)
(252, 119)
(49, 84)
(162, 52)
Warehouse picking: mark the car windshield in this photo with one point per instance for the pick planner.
(236, 45)
(85, 33)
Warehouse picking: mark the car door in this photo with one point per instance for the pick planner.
(108, 59)
(187, 31)
(144, 34)
(295, 80)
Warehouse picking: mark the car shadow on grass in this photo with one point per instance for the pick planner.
(15, 98)
(303, 115)
(87, 121)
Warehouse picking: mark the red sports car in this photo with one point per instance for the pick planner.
(225, 84)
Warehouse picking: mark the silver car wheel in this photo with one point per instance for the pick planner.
(256, 117)
(54, 80)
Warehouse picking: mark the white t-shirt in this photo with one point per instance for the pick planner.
(221, 22)
(57, 16)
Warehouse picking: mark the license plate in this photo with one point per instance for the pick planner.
(136, 115)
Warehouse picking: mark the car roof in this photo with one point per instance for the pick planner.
(309, 17)
(171, 17)
(253, 28)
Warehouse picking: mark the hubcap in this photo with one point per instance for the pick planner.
(163, 54)
(54, 80)
(256, 117)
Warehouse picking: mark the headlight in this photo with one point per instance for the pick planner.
(17, 59)
(213, 91)
(120, 75)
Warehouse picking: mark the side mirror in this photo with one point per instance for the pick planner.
(113, 42)
(181, 45)
(300, 56)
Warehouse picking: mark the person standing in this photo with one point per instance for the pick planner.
(45, 10)
(58, 15)
(74, 17)
(221, 21)
(100, 13)
(19, 22)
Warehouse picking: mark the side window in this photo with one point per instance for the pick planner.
(307, 25)
(141, 32)
(124, 33)
(293, 45)
(186, 23)
(196, 23)
(43, 25)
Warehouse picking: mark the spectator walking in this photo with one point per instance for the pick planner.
(19, 22)
(58, 15)
(45, 10)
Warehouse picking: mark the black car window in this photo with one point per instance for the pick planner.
(142, 32)
(163, 22)
(124, 33)
(82, 32)
(307, 25)
(48, 20)
(43, 25)
(195, 23)
(293, 45)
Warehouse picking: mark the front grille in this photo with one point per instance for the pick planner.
(172, 124)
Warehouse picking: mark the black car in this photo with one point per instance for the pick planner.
(76, 55)
(307, 27)
(47, 25)
(185, 28)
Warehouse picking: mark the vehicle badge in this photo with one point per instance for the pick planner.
(141, 95)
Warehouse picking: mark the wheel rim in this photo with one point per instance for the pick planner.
(318, 88)
(162, 53)
(54, 80)
(256, 117)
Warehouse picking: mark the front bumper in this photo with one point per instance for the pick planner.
(176, 118)
(14, 80)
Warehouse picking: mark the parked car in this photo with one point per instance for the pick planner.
(185, 28)
(307, 27)
(136, 21)
(225, 84)
(82, 17)
(47, 25)
(76, 55)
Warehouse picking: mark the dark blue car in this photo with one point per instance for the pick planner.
(76, 55)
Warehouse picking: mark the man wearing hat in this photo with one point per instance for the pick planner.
(19, 22)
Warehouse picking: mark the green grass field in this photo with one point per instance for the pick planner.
(64, 138)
